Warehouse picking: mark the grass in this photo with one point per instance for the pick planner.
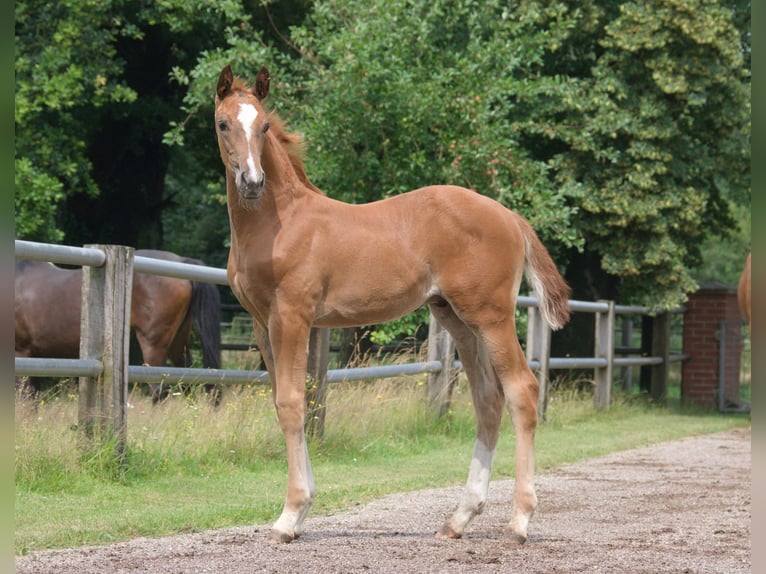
(192, 467)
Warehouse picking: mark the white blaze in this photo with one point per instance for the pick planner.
(246, 116)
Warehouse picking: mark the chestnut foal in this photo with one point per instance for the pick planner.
(300, 259)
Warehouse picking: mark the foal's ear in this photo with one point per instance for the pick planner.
(225, 80)
(262, 84)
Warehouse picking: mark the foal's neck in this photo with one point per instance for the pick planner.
(280, 172)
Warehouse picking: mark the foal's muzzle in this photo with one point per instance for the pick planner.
(250, 187)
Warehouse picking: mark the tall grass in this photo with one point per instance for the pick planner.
(188, 434)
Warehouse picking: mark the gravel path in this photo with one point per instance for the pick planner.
(680, 507)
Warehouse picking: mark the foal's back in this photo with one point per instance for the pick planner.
(399, 253)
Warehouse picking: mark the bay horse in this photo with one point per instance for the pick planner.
(743, 292)
(300, 259)
(162, 313)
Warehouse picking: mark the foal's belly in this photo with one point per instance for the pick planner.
(377, 305)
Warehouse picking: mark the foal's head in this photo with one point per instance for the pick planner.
(241, 124)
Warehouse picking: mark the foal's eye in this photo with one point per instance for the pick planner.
(222, 126)
(266, 127)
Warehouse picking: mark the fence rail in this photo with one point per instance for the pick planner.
(440, 366)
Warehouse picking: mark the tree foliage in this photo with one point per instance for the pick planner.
(661, 145)
(620, 129)
(93, 100)
(65, 61)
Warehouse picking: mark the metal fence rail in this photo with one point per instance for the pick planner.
(36, 367)
(71, 255)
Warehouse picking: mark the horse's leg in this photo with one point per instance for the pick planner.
(153, 355)
(180, 355)
(521, 391)
(25, 386)
(179, 352)
(488, 403)
(289, 341)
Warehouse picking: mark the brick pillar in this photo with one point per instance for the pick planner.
(705, 310)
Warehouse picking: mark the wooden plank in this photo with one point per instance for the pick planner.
(604, 349)
(105, 336)
(92, 325)
(645, 372)
(660, 348)
(316, 392)
(538, 349)
(627, 342)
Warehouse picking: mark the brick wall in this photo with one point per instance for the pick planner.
(706, 309)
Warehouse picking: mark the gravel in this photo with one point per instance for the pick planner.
(680, 507)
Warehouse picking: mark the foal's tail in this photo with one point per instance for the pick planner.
(549, 286)
(205, 311)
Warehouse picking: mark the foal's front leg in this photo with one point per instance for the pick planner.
(289, 344)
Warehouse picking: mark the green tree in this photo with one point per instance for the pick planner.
(65, 61)
(620, 129)
(723, 258)
(97, 86)
(658, 139)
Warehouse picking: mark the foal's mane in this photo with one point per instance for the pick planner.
(292, 143)
(295, 147)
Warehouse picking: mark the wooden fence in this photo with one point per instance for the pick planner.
(104, 372)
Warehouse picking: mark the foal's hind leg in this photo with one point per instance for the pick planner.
(521, 391)
(488, 403)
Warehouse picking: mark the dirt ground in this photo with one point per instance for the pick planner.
(680, 507)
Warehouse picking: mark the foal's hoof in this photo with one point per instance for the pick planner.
(446, 533)
(514, 538)
(279, 537)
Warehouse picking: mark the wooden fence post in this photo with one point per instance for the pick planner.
(316, 394)
(660, 348)
(647, 332)
(105, 336)
(441, 347)
(539, 350)
(627, 342)
(604, 349)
